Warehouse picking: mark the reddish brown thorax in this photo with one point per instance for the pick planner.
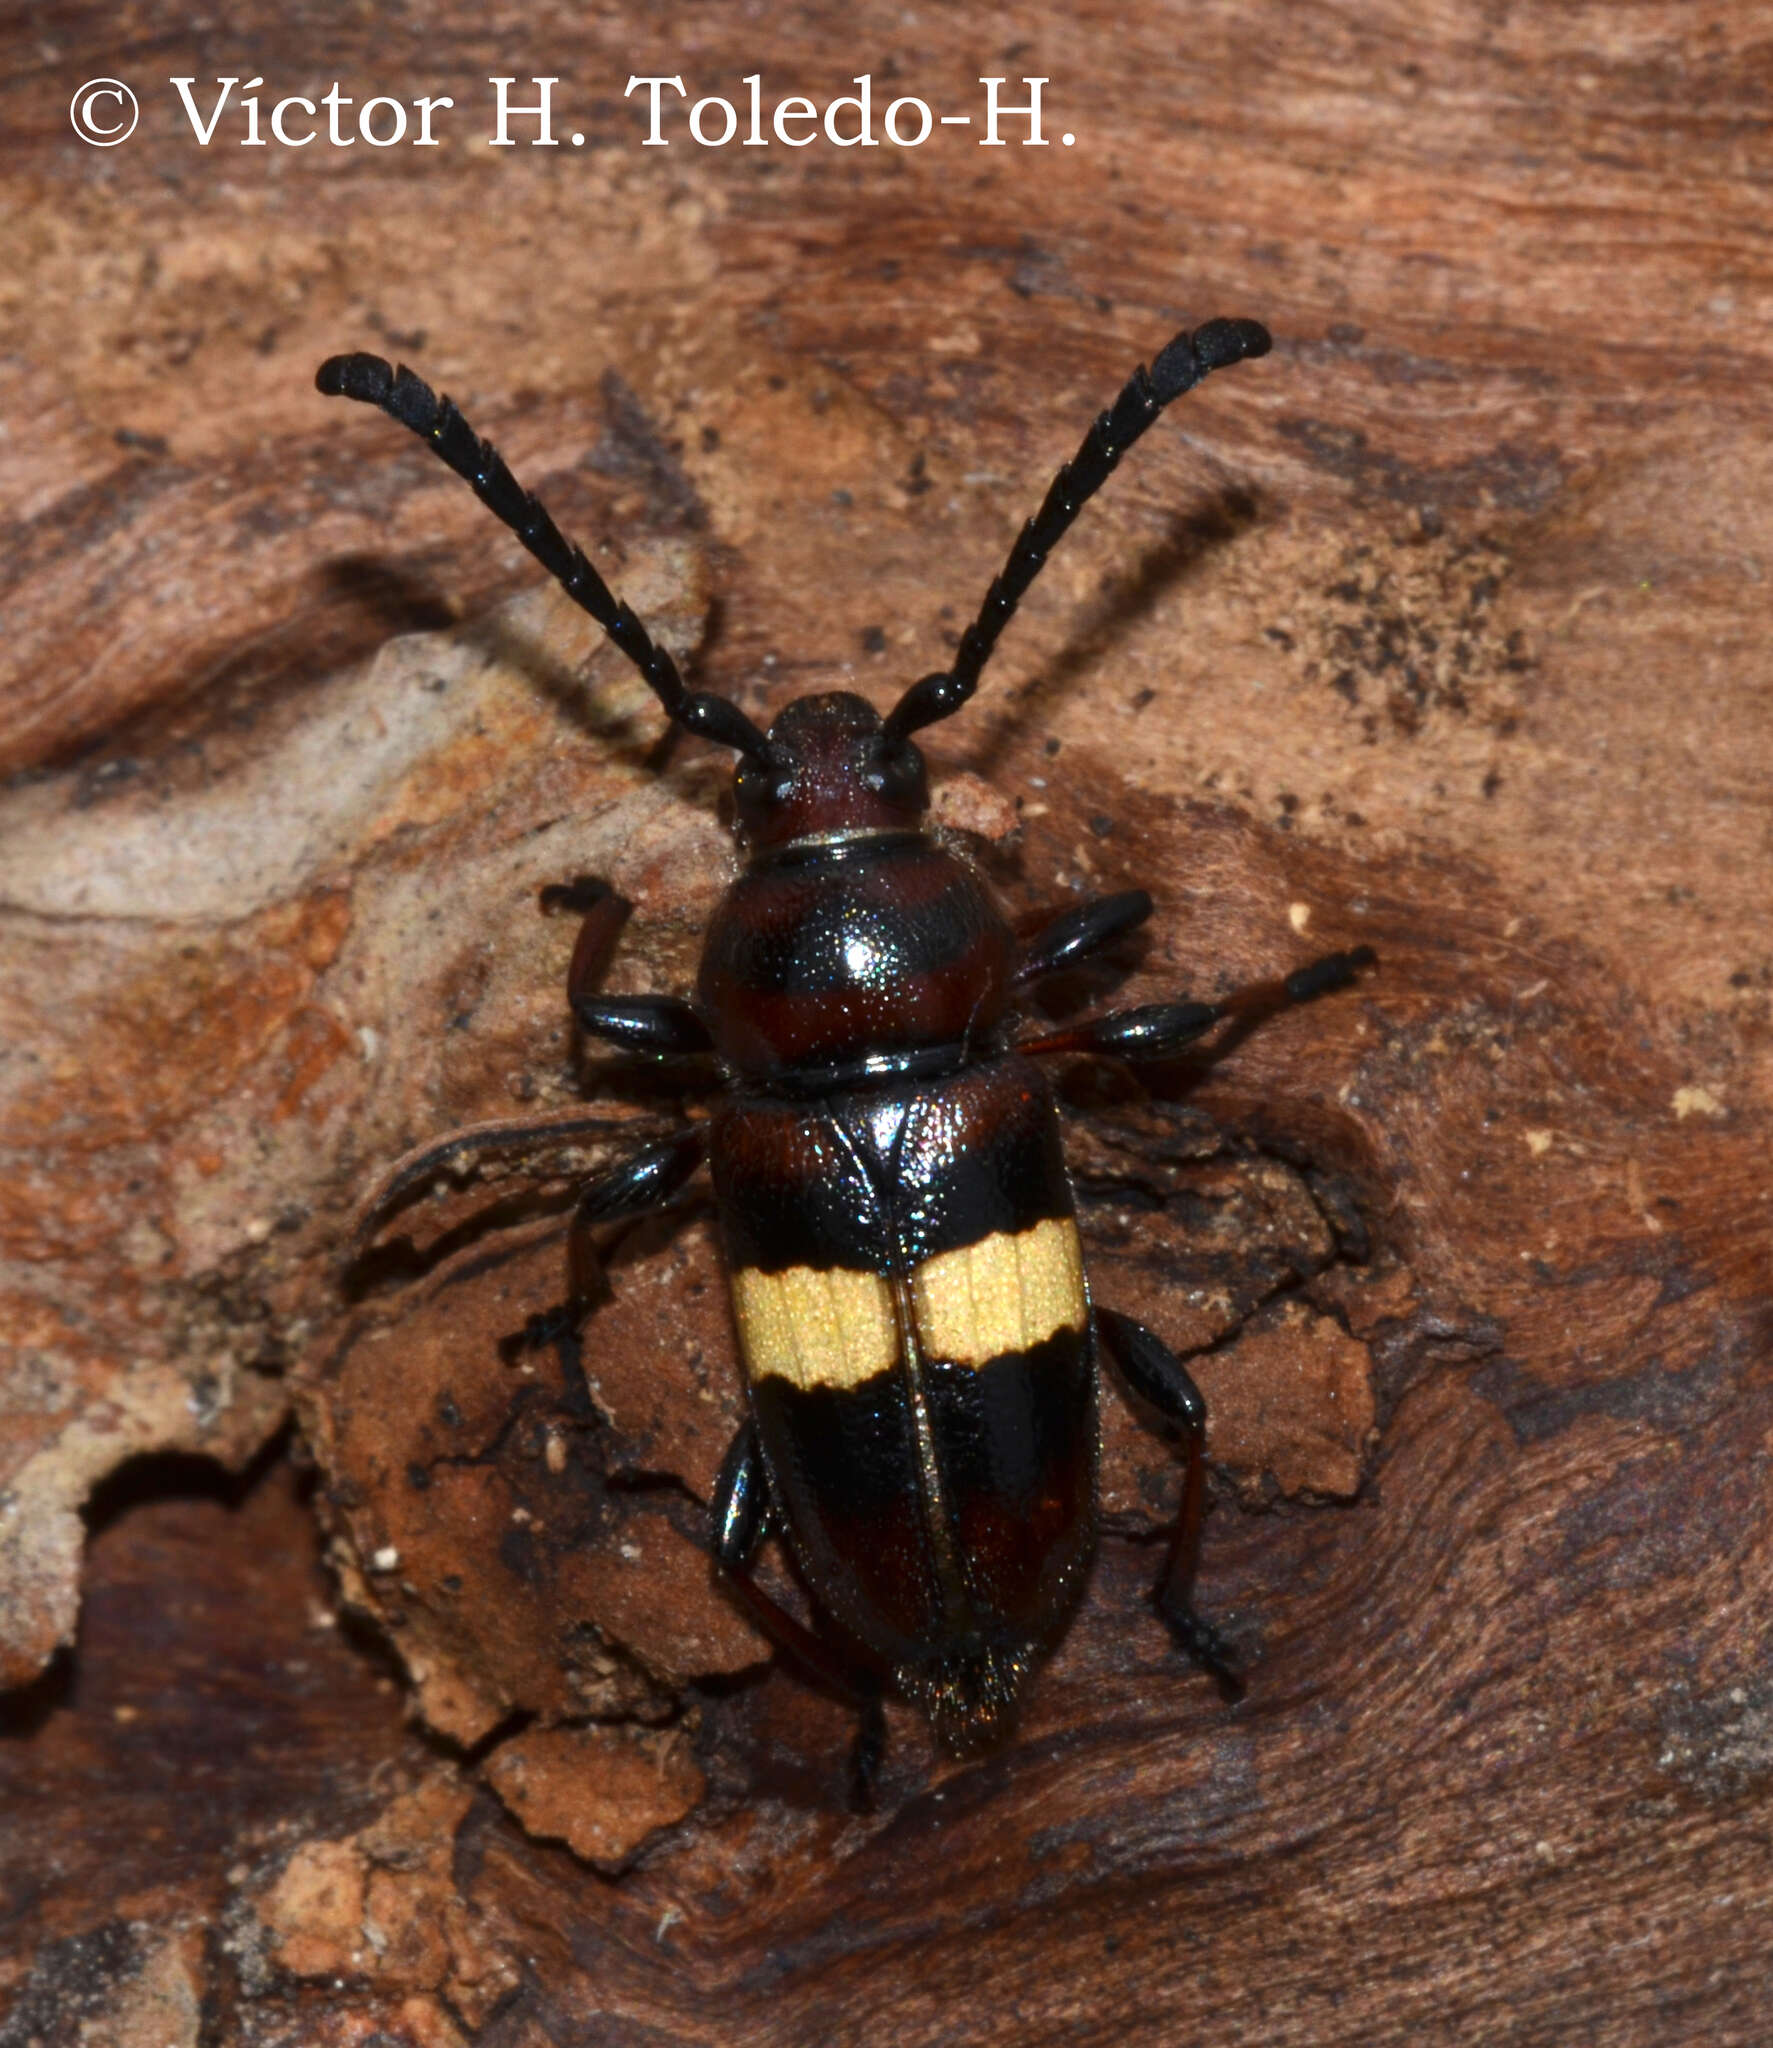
(831, 768)
(852, 944)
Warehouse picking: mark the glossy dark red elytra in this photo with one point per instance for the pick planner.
(919, 1345)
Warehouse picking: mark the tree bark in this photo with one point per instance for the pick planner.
(402, 1696)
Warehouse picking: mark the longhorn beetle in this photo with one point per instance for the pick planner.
(919, 1343)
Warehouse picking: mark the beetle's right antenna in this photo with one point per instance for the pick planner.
(410, 400)
(1180, 367)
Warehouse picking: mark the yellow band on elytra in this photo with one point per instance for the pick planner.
(1005, 1293)
(837, 1327)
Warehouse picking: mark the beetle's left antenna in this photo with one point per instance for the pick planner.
(1178, 368)
(410, 400)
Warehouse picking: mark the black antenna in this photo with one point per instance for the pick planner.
(1180, 367)
(411, 401)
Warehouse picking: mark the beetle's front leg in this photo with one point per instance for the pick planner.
(1154, 1373)
(741, 1516)
(602, 914)
(1081, 931)
(655, 1024)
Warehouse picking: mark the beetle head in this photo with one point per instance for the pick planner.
(831, 766)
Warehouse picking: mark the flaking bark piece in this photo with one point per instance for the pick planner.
(510, 1540)
(251, 970)
(603, 1791)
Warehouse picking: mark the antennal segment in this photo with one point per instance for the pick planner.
(410, 400)
(1180, 367)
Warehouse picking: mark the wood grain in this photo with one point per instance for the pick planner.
(1435, 630)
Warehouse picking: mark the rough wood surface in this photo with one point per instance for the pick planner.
(1442, 628)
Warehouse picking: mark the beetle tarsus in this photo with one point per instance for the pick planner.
(583, 894)
(1334, 971)
(547, 1327)
(1199, 1640)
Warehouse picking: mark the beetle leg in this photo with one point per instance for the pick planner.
(1157, 1376)
(648, 1181)
(509, 1137)
(582, 894)
(1080, 932)
(640, 1185)
(741, 1516)
(1157, 1030)
(655, 1024)
(741, 1512)
(603, 915)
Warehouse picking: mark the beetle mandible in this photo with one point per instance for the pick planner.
(919, 1345)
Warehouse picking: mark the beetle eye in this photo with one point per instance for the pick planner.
(758, 788)
(895, 773)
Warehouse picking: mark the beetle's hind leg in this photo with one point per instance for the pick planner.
(1154, 1373)
(741, 1517)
